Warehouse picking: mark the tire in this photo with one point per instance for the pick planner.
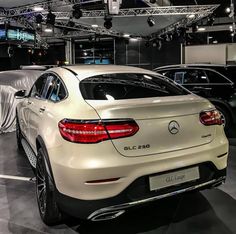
(18, 136)
(225, 118)
(47, 205)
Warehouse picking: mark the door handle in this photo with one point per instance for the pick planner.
(42, 109)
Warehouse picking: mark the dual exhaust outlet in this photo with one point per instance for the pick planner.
(107, 215)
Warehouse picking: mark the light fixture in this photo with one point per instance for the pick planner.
(134, 39)
(231, 29)
(151, 21)
(227, 10)
(50, 18)
(194, 27)
(147, 44)
(152, 1)
(201, 29)
(215, 42)
(94, 26)
(156, 43)
(191, 16)
(126, 35)
(108, 22)
(38, 19)
(38, 8)
(232, 34)
(48, 29)
(77, 13)
(159, 45)
(210, 20)
(169, 37)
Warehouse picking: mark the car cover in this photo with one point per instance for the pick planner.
(11, 82)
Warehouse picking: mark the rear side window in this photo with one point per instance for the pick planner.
(187, 76)
(215, 77)
(38, 87)
(55, 90)
(128, 86)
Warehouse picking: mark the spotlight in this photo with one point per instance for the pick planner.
(147, 44)
(65, 31)
(77, 13)
(154, 43)
(210, 21)
(201, 29)
(169, 37)
(228, 10)
(108, 22)
(50, 18)
(71, 24)
(159, 45)
(126, 35)
(38, 8)
(48, 29)
(191, 16)
(151, 21)
(38, 19)
(194, 27)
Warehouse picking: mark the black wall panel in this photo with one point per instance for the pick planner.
(136, 53)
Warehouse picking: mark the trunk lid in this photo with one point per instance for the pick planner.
(165, 124)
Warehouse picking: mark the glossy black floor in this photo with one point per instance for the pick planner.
(211, 211)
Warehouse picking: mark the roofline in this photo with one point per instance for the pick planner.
(192, 65)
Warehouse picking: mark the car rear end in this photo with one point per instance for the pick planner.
(151, 139)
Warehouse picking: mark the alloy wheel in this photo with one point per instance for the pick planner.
(41, 185)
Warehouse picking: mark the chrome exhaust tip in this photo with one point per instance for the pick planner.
(107, 215)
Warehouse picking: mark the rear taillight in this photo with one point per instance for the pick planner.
(87, 131)
(211, 117)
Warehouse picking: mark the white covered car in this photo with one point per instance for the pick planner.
(10, 82)
(106, 138)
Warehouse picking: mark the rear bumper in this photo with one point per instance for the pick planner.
(97, 210)
(73, 171)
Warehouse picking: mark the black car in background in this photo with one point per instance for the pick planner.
(214, 82)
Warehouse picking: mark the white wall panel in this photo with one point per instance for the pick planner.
(216, 54)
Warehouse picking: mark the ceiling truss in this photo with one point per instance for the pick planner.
(25, 16)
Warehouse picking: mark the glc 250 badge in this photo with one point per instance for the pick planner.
(137, 147)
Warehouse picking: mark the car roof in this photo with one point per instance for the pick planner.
(193, 65)
(84, 71)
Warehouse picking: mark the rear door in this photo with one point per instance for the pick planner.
(29, 105)
(39, 103)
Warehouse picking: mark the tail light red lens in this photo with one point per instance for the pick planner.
(211, 117)
(96, 131)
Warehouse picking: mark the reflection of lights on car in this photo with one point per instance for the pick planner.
(147, 77)
(109, 97)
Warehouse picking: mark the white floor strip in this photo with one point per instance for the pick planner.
(15, 178)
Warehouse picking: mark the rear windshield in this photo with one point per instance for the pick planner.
(128, 86)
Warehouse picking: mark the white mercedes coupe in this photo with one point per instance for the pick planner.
(104, 138)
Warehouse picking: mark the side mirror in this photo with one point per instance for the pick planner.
(20, 94)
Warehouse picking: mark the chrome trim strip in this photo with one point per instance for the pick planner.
(131, 204)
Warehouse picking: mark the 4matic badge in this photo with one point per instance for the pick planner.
(137, 147)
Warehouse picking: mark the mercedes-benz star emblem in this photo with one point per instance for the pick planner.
(173, 127)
